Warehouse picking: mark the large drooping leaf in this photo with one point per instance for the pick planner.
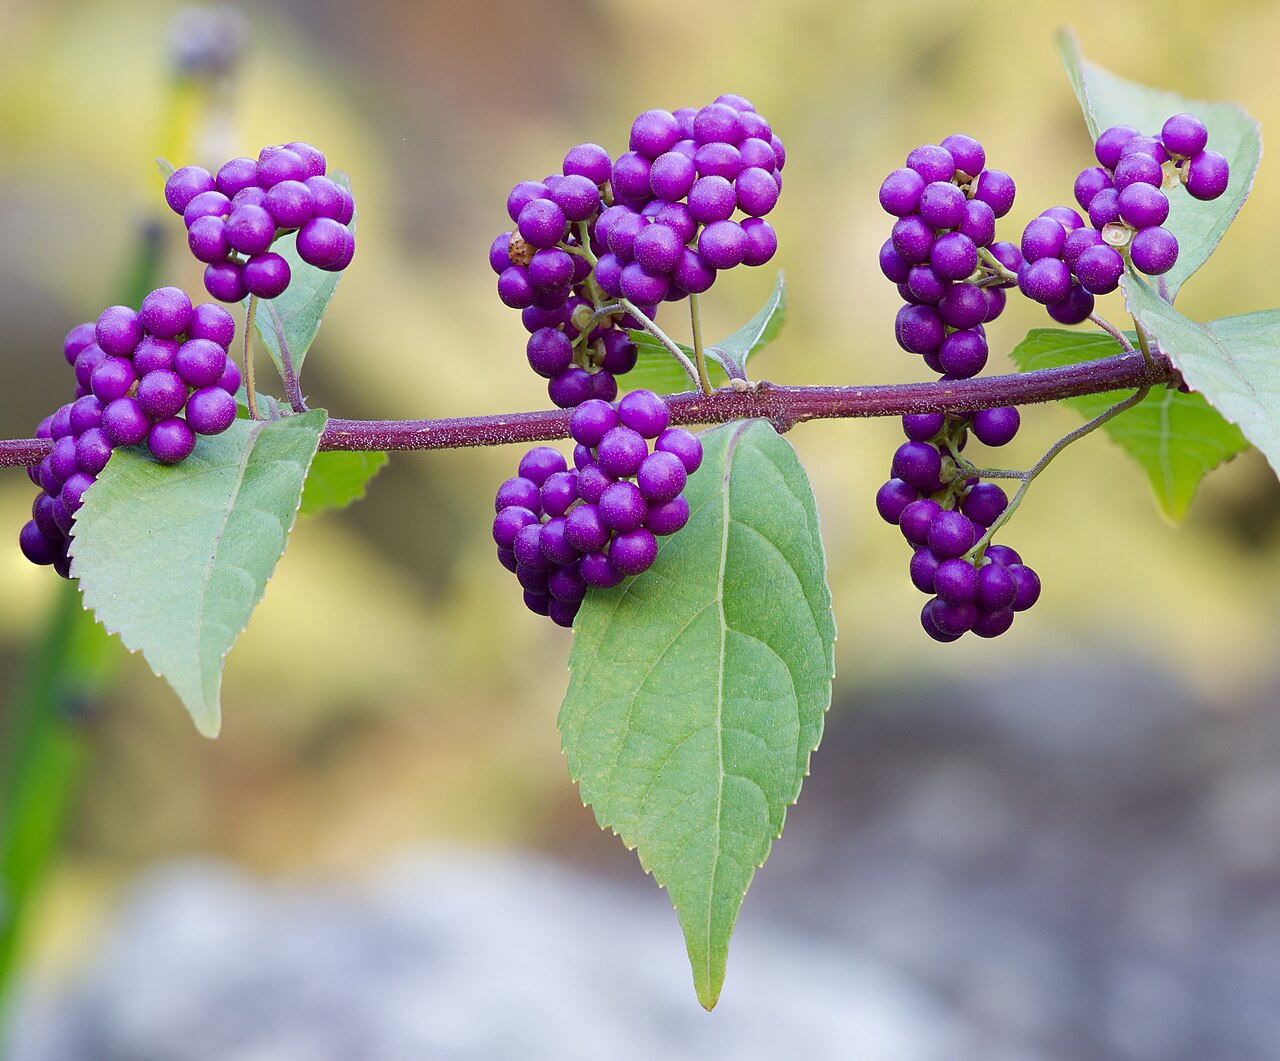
(338, 478)
(174, 559)
(658, 371)
(698, 689)
(1233, 361)
(293, 319)
(1175, 437)
(1107, 100)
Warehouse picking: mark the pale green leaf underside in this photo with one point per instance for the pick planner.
(1176, 438)
(657, 370)
(174, 559)
(296, 315)
(698, 689)
(337, 479)
(1108, 100)
(1233, 361)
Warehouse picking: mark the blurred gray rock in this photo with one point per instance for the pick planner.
(1072, 861)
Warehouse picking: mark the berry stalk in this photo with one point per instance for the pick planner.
(783, 406)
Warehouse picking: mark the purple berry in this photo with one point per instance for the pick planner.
(631, 176)
(210, 321)
(541, 223)
(1153, 251)
(1099, 269)
(519, 492)
(509, 522)
(997, 190)
(1137, 169)
(893, 497)
(684, 444)
(591, 421)
(953, 256)
(162, 393)
(622, 506)
(917, 463)
(919, 329)
(171, 440)
(1208, 174)
(1028, 583)
(124, 422)
(968, 154)
(930, 627)
(266, 275)
(661, 476)
(963, 353)
(1184, 134)
(956, 581)
(225, 281)
(323, 243)
(984, 503)
(184, 185)
(1089, 183)
(996, 427)
(118, 330)
(667, 517)
(978, 223)
(210, 411)
(932, 162)
(1073, 309)
(645, 413)
(1109, 145)
(997, 588)
(541, 462)
(621, 451)
(588, 160)
(901, 191)
(570, 388)
(950, 534)
(633, 553)
(1043, 237)
(1142, 206)
(1046, 281)
(712, 199)
(913, 239)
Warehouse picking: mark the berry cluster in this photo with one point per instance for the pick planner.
(653, 225)
(943, 515)
(946, 202)
(561, 530)
(235, 217)
(1066, 262)
(136, 372)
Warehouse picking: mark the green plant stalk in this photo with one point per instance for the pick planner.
(251, 395)
(704, 381)
(1030, 474)
(45, 747)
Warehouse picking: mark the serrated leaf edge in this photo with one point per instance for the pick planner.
(209, 725)
(710, 996)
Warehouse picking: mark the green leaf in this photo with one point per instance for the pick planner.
(293, 319)
(698, 689)
(165, 167)
(658, 371)
(1233, 361)
(174, 559)
(337, 479)
(1107, 100)
(1176, 438)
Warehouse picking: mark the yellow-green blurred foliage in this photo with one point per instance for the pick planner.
(391, 687)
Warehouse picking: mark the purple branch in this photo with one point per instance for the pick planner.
(783, 406)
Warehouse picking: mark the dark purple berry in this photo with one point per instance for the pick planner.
(1153, 250)
(596, 570)
(644, 412)
(1046, 281)
(661, 476)
(633, 553)
(1208, 174)
(667, 517)
(540, 463)
(956, 581)
(996, 189)
(225, 281)
(621, 451)
(1028, 583)
(584, 529)
(997, 588)
(996, 427)
(984, 503)
(917, 518)
(1184, 134)
(950, 534)
(1142, 206)
(509, 522)
(171, 441)
(520, 492)
(684, 444)
(917, 463)
(210, 321)
(210, 411)
(1109, 145)
(162, 393)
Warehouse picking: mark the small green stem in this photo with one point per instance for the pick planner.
(1028, 476)
(699, 356)
(665, 340)
(1144, 342)
(993, 263)
(251, 395)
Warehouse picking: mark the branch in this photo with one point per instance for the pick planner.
(782, 406)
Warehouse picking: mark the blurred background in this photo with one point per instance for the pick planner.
(1061, 845)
